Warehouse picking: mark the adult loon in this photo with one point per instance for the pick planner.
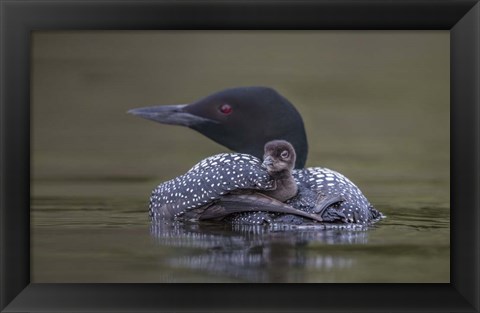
(229, 183)
(243, 119)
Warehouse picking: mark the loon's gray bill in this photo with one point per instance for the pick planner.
(169, 114)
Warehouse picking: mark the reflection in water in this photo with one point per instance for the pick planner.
(255, 253)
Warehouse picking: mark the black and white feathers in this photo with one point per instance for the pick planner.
(206, 182)
(219, 186)
(226, 183)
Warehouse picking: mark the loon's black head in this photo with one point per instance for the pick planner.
(279, 158)
(242, 119)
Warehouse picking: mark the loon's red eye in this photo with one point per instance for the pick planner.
(226, 108)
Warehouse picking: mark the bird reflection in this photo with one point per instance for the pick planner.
(256, 253)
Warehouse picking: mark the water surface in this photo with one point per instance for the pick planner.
(375, 107)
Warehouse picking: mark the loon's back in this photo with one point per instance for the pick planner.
(216, 187)
(221, 185)
(206, 182)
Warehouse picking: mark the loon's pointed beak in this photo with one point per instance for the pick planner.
(169, 114)
(268, 161)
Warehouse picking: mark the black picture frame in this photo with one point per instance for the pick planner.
(19, 18)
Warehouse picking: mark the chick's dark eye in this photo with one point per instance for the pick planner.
(226, 109)
(284, 154)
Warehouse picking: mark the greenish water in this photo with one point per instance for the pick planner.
(375, 107)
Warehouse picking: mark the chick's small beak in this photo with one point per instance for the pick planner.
(268, 161)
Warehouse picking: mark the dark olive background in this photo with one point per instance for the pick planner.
(375, 106)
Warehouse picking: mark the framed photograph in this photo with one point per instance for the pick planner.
(387, 94)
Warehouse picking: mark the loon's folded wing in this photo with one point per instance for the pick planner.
(319, 207)
(324, 202)
(245, 202)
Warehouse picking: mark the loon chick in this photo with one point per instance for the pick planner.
(232, 183)
(279, 160)
(244, 119)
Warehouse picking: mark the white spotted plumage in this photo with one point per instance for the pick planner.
(220, 174)
(208, 180)
(356, 207)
